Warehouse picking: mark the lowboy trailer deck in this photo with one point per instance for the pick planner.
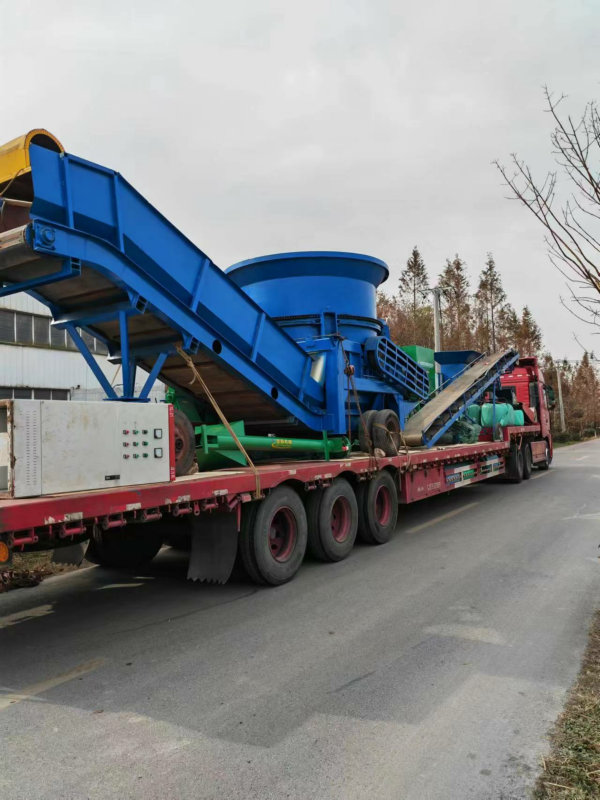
(279, 353)
(215, 508)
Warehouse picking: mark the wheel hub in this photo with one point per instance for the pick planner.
(282, 534)
(383, 506)
(340, 519)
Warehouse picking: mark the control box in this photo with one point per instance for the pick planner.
(55, 446)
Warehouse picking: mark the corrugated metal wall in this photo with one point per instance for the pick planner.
(45, 367)
(23, 366)
(23, 302)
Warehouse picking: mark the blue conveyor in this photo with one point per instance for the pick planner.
(105, 260)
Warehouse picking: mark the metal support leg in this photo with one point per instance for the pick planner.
(91, 362)
(158, 365)
(127, 363)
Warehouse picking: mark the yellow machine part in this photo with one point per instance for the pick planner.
(14, 155)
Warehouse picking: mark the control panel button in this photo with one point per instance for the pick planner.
(158, 433)
(125, 455)
(158, 452)
(125, 444)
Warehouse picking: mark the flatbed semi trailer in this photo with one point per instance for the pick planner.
(284, 349)
(218, 509)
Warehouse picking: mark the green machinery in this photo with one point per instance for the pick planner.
(424, 356)
(216, 448)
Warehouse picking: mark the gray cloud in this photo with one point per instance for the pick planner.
(268, 126)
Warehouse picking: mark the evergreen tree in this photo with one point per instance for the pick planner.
(413, 292)
(456, 306)
(529, 341)
(414, 283)
(489, 299)
(507, 327)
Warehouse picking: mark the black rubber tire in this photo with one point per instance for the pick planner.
(130, 546)
(545, 464)
(258, 543)
(527, 461)
(386, 432)
(373, 527)
(321, 516)
(514, 464)
(367, 422)
(185, 443)
(245, 542)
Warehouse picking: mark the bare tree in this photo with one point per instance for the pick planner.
(570, 213)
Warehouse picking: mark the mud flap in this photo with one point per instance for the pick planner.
(71, 554)
(214, 547)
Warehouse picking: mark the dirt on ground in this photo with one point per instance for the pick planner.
(29, 569)
(572, 770)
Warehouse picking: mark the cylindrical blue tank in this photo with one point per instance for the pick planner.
(299, 289)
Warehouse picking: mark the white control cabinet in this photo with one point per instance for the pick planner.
(54, 446)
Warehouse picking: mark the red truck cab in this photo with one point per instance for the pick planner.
(526, 379)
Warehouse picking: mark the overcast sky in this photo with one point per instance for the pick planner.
(364, 125)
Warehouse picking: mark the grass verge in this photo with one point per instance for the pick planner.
(570, 442)
(572, 770)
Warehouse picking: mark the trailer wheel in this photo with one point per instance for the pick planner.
(545, 464)
(245, 546)
(514, 464)
(377, 508)
(386, 432)
(366, 422)
(185, 442)
(126, 547)
(527, 461)
(273, 537)
(332, 515)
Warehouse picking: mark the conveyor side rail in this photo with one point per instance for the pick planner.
(426, 426)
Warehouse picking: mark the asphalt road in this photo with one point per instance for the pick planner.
(431, 667)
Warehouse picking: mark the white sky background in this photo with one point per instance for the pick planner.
(363, 125)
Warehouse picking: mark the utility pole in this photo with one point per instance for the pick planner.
(437, 319)
(561, 408)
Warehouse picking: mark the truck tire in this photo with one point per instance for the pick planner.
(185, 443)
(332, 515)
(273, 537)
(377, 501)
(386, 432)
(527, 461)
(365, 445)
(245, 541)
(545, 464)
(131, 546)
(514, 464)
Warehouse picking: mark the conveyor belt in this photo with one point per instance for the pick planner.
(436, 416)
(81, 239)
(103, 259)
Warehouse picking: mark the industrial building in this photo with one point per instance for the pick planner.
(39, 361)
